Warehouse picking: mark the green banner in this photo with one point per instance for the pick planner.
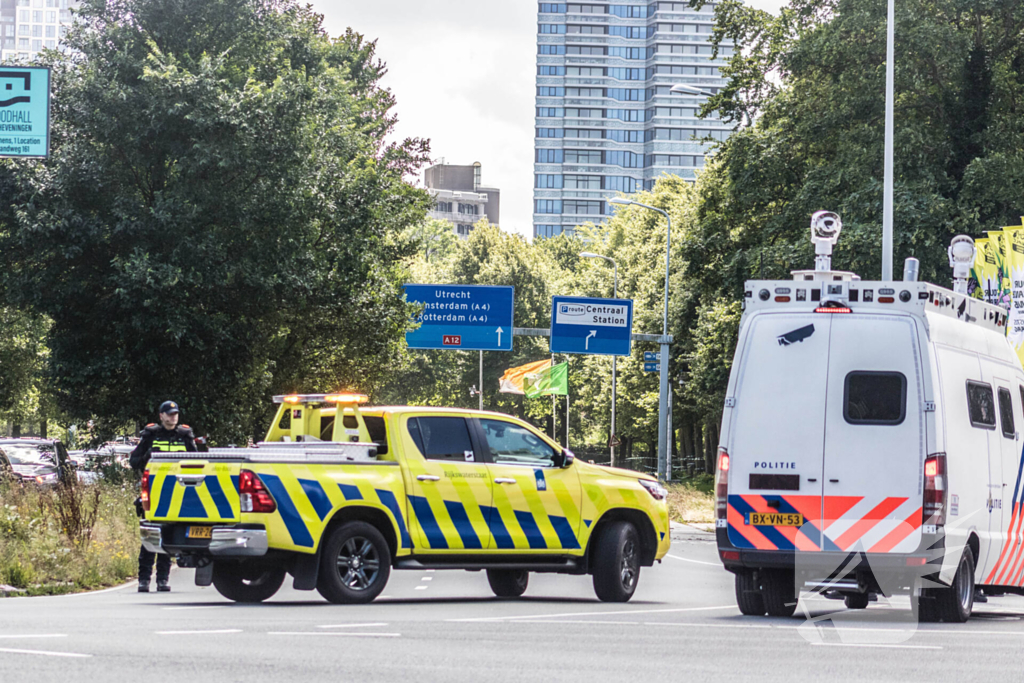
(554, 380)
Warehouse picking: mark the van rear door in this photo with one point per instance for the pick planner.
(874, 435)
(777, 432)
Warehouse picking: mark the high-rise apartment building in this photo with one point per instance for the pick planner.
(29, 26)
(606, 122)
(460, 196)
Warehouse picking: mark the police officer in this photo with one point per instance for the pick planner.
(166, 437)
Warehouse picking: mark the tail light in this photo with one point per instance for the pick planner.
(253, 493)
(935, 489)
(722, 484)
(145, 491)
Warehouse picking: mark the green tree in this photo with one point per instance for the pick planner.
(221, 216)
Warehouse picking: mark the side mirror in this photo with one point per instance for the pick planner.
(564, 459)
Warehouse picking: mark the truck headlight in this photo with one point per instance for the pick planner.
(654, 488)
(46, 478)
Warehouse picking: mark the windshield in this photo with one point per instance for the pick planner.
(29, 455)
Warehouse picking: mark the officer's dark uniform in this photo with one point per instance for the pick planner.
(156, 439)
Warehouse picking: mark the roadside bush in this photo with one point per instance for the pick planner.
(61, 541)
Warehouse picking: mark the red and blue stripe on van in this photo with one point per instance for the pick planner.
(835, 523)
(1009, 568)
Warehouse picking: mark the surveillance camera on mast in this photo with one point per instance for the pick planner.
(962, 253)
(825, 229)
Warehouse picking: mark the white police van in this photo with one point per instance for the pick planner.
(871, 442)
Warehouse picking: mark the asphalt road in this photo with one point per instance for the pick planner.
(682, 624)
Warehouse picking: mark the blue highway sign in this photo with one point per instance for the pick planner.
(651, 356)
(462, 317)
(24, 111)
(595, 326)
(652, 367)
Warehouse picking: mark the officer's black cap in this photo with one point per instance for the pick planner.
(169, 407)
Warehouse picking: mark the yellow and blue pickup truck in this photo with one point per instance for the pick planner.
(339, 494)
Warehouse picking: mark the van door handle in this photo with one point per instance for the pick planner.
(834, 481)
(502, 480)
(428, 477)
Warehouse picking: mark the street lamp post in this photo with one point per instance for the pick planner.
(663, 423)
(615, 295)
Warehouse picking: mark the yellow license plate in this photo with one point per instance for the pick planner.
(775, 519)
(200, 532)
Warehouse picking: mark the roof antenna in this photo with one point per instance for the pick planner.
(825, 229)
(962, 253)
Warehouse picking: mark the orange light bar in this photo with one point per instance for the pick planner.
(346, 398)
(292, 399)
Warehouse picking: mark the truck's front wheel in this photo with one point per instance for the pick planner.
(508, 583)
(354, 565)
(247, 581)
(617, 562)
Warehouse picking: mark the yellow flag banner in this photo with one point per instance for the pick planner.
(976, 287)
(1014, 237)
(990, 270)
(512, 381)
(1000, 295)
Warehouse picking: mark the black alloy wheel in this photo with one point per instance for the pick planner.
(355, 564)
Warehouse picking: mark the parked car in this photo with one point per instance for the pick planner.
(39, 461)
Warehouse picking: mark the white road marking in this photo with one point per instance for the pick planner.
(700, 625)
(197, 633)
(35, 635)
(45, 653)
(597, 614)
(427, 578)
(430, 570)
(322, 633)
(195, 607)
(577, 621)
(422, 588)
(36, 598)
(683, 559)
(882, 645)
(353, 625)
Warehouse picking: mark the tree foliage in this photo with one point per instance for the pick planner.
(221, 216)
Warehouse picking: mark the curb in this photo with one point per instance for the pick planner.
(678, 526)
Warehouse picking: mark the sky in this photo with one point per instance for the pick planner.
(463, 73)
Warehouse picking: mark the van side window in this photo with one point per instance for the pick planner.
(1006, 413)
(980, 405)
(875, 398)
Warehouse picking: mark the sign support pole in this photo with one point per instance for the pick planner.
(554, 408)
(481, 385)
(567, 417)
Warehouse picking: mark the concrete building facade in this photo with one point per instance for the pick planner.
(606, 122)
(460, 197)
(29, 26)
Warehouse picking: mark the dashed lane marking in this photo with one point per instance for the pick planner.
(624, 613)
(353, 625)
(34, 635)
(194, 607)
(422, 588)
(349, 634)
(197, 633)
(886, 646)
(44, 653)
(684, 559)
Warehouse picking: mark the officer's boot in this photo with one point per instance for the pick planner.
(163, 571)
(144, 584)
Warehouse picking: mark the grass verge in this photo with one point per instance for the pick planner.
(66, 540)
(692, 501)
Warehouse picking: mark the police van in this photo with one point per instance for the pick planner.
(871, 442)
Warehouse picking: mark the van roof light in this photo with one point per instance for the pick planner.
(962, 253)
(833, 307)
(345, 397)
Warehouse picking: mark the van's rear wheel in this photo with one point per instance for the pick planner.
(856, 600)
(748, 594)
(617, 562)
(247, 581)
(778, 588)
(955, 602)
(508, 583)
(354, 565)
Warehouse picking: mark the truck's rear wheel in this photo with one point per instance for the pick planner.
(355, 564)
(508, 583)
(778, 588)
(748, 594)
(247, 581)
(617, 562)
(955, 602)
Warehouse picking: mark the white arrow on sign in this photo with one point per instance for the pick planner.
(586, 342)
(499, 330)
